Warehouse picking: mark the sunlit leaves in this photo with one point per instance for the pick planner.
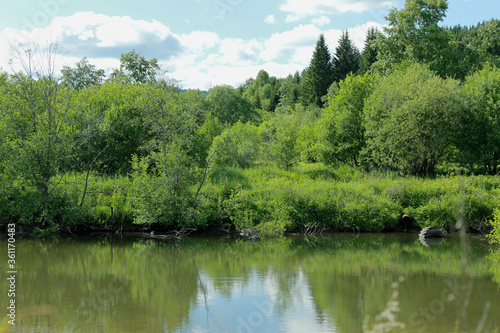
(411, 118)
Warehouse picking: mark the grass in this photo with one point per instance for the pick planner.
(345, 199)
(275, 201)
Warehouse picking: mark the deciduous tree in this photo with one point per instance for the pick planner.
(411, 119)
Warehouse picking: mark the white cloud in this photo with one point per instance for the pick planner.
(197, 41)
(322, 20)
(198, 59)
(271, 19)
(298, 9)
(286, 44)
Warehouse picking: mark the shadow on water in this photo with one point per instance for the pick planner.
(212, 284)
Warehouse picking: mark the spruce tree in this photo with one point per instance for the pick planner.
(346, 58)
(256, 102)
(369, 54)
(318, 76)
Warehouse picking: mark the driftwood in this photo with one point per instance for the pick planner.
(175, 235)
(251, 234)
(431, 232)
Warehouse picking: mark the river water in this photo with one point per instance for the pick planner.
(328, 283)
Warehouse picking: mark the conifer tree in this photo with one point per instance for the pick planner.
(256, 102)
(346, 58)
(318, 76)
(369, 54)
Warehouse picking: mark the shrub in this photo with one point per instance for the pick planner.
(494, 236)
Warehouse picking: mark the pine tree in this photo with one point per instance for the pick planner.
(369, 54)
(346, 58)
(274, 98)
(256, 102)
(318, 76)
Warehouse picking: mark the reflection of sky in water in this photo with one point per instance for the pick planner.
(254, 306)
(230, 286)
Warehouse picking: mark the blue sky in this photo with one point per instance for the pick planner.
(203, 43)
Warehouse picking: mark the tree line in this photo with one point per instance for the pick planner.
(419, 99)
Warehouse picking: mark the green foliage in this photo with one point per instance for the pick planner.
(494, 236)
(39, 137)
(479, 135)
(318, 76)
(279, 138)
(346, 59)
(162, 179)
(262, 91)
(65, 147)
(228, 106)
(236, 146)
(288, 90)
(83, 76)
(369, 54)
(343, 124)
(413, 34)
(134, 68)
(113, 126)
(485, 40)
(410, 120)
(344, 199)
(160, 188)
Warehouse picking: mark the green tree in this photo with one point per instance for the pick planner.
(462, 58)
(162, 178)
(479, 136)
(124, 130)
(410, 120)
(279, 137)
(288, 90)
(84, 75)
(369, 53)
(413, 34)
(309, 144)
(260, 91)
(344, 119)
(273, 101)
(486, 41)
(236, 146)
(256, 102)
(36, 113)
(136, 68)
(319, 75)
(228, 106)
(346, 59)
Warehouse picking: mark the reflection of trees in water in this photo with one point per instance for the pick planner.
(495, 265)
(143, 289)
(149, 286)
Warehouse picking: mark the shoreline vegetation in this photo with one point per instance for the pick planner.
(409, 125)
(272, 201)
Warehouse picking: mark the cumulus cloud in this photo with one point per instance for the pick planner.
(298, 9)
(285, 44)
(95, 35)
(322, 20)
(198, 59)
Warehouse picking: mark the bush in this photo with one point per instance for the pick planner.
(236, 146)
(494, 236)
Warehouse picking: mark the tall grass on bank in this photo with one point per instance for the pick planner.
(345, 199)
(271, 200)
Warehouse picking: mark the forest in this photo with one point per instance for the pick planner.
(409, 125)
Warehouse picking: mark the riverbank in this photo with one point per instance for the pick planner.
(267, 199)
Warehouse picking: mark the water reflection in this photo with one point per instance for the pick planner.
(232, 285)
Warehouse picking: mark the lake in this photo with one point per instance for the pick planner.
(327, 283)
